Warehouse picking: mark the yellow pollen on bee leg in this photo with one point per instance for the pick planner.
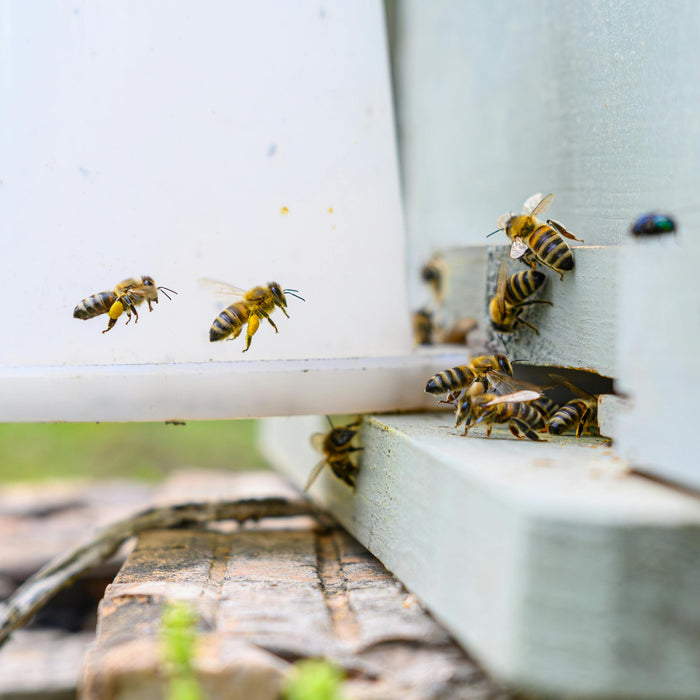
(116, 310)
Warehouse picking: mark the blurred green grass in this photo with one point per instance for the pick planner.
(30, 452)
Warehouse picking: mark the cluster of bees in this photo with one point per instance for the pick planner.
(482, 391)
(249, 308)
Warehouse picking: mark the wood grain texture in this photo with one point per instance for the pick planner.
(264, 599)
(550, 561)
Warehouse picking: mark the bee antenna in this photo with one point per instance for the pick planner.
(291, 294)
(512, 362)
(330, 422)
(165, 291)
(492, 232)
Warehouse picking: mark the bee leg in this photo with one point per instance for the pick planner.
(110, 325)
(284, 311)
(115, 311)
(585, 418)
(529, 432)
(272, 323)
(514, 430)
(253, 325)
(148, 301)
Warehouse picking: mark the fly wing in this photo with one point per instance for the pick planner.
(517, 397)
(518, 248)
(221, 289)
(314, 474)
(537, 204)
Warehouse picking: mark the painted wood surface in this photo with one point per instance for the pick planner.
(551, 562)
(211, 390)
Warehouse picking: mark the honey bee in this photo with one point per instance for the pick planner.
(433, 274)
(452, 381)
(512, 409)
(255, 304)
(534, 241)
(493, 383)
(653, 224)
(423, 327)
(581, 412)
(124, 298)
(512, 296)
(336, 446)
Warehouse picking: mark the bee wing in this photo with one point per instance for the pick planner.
(518, 248)
(314, 474)
(317, 440)
(503, 220)
(517, 397)
(500, 295)
(502, 384)
(571, 387)
(537, 204)
(221, 289)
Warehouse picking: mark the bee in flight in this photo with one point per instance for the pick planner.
(512, 296)
(653, 224)
(336, 446)
(255, 304)
(124, 298)
(581, 412)
(534, 241)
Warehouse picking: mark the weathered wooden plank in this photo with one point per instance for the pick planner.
(555, 565)
(265, 598)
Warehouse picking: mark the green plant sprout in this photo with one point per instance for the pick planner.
(178, 635)
(314, 679)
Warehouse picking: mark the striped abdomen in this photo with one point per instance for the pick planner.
(450, 380)
(94, 305)
(522, 411)
(522, 285)
(230, 320)
(569, 415)
(550, 248)
(545, 406)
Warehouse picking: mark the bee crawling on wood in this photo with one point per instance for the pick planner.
(124, 298)
(337, 448)
(255, 304)
(455, 379)
(534, 241)
(580, 413)
(495, 385)
(513, 409)
(513, 294)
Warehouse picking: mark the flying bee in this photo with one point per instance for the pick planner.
(452, 381)
(581, 412)
(512, 409)
(534, 241)
(124, 298)
(653, 224)
(512, 296)
(337, 447)
(255, 304)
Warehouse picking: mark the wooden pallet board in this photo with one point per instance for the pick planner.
(266, 596)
